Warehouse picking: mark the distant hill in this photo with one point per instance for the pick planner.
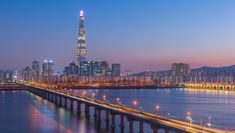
(203, 68)
(206, 68)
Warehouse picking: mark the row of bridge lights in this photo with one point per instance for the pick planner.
(135, 103)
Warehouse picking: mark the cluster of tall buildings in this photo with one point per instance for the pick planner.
(35, 74)
(76, 69)
(92, 68)
(7, 76)
(82, 67)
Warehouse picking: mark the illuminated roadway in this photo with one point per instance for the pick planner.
(149, 118)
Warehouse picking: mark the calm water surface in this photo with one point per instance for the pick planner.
(21, 111)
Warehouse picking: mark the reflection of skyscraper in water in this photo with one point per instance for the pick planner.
(81, 48)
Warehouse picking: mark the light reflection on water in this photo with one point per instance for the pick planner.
(24, 112)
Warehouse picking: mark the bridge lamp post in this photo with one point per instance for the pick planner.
(201, 121)
(209, 121)
(167, 117)
(104, 97)
(189, 118)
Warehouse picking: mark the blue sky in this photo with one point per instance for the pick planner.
(139, 34)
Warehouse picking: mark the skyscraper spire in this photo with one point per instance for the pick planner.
(81, 48)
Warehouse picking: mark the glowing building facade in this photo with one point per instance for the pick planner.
(81, 48)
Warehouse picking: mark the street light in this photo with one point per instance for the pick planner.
(167, 115)
(189, 118)
(104, 97)
(209, 121)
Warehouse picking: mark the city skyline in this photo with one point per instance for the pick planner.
(150, 44)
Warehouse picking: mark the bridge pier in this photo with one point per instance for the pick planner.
(131, 122)
(155, 129)
(167, 130)
(44, 95)
(48, 96)
(122, 125)
(141, 127)
(99, 119)
(51, 96)
(107, 121)
(87, 111)
(71, 104)
(65, 102)
(95, 113)
(113, 122)
(60, 101)
(78, 108)
(56, 99)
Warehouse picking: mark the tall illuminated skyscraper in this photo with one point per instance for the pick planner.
(81, 48)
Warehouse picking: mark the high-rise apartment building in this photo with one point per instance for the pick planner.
(36, 70)
(47, 70)
(116, 70)
(104, 66)
(180, 72)
(73, 68)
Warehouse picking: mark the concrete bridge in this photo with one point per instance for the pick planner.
(112, 111)
(11, 86)
(209, 86)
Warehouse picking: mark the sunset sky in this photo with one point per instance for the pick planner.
(139, 34)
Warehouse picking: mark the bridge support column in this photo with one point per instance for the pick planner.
(131, 122)
(122, 125)
(99, 119)
(113, 122)
(141, 128)
(65, 102)
(167, 130)
(87, 111)
(55, 98)
(107, 120)
(95, 113)
(45, 95)
(60, 101)
(78, 108)
(155, 129)
(50, 97)
(71, 104)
